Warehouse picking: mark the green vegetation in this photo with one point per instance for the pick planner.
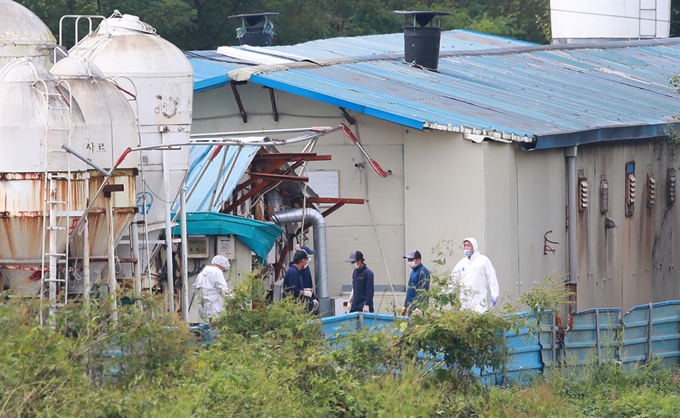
(269, 361)
(203, 24)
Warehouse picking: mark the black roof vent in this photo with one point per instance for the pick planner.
(421, 42)
(259, 33)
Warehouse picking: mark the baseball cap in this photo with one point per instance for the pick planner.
(354, 256)
(299, 256)
(308, 250)
(220, 260)
(413, 254)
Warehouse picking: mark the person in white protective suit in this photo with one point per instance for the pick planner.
(210, 288)
(473, 277)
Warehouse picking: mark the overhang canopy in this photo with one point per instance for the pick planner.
(256, 235)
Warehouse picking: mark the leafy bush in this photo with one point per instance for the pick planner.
(269, 360)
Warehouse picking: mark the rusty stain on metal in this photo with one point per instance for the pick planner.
(22, 267)
(23, 210)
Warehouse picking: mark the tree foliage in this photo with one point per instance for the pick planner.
(269, 360)
(204, 24)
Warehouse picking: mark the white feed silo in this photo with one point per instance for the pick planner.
(110, 128)
(46, 189)
(161, 78)
(584, 21)
(23, 34)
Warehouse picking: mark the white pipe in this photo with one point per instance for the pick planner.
(111, 260)
(86, 246)
(53, 246)
(321, 256)
(170, 288)
(570, 154)
(137, 267)
(185, 253)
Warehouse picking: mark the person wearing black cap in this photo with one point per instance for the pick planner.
(362, 284)
(292, 281)
(307, 282)
(418, 284)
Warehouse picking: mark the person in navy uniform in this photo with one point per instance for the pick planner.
(362, 284)
(418, 284)
(292, 281)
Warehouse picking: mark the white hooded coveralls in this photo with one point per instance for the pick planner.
(211, 288)
(473, 277)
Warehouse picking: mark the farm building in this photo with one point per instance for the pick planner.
(556, 158)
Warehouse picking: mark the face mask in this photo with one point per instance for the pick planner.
(412, 264)
(355, 265)
(468, 253)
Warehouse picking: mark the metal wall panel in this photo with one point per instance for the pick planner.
(541, 207)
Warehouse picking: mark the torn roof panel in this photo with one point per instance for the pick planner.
(216, 173)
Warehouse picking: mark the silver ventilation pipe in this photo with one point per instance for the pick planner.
(290, 216)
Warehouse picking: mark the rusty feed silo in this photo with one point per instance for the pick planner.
(111, 127)
(44, 189)
(23, 34)
(161, 79)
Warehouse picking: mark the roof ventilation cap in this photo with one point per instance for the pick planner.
(259, 33)
(421, 42)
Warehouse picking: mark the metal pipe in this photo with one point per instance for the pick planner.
(84, 159)
(86, 260)
(170, 288)
(226, 177)
(111, 262)
(570, 154)
(54, 257)
(262, 132)
(319, 224)
(597, 336)
(137, 268)
(200, 175)
(86, 246)
(185, 253)
(217, 180)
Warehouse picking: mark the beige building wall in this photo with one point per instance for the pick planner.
(443, 188)
(377, 227)
(443, 185)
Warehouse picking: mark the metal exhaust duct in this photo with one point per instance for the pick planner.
(321, 257)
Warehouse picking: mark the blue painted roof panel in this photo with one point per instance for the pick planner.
(554, 95)
(211, 68)
(393, 43)
(534, 92)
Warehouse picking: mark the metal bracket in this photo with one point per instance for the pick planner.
(239, 102)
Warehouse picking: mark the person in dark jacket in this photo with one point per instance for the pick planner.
(308, 283)
(292, 281)
(362, 284)
(418, 284)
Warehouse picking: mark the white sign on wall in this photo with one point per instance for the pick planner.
(325, 183)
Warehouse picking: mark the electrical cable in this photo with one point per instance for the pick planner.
(377, 238)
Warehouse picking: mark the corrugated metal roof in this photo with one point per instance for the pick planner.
(211, 67)
(393, 43)
(551, 95)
